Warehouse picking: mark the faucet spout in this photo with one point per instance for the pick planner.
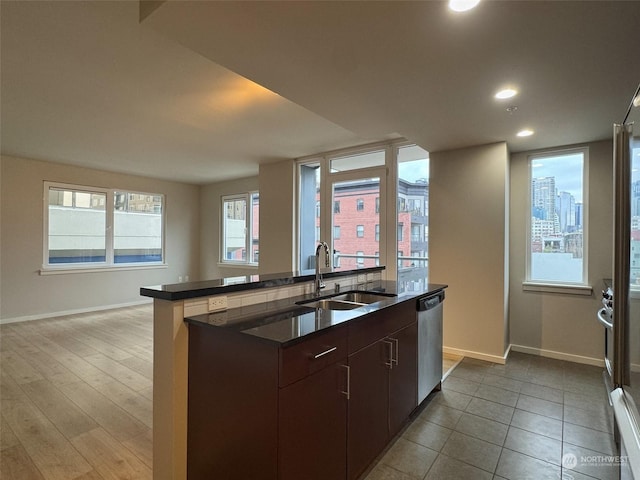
(319, 284)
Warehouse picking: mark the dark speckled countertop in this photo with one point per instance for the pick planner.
(205, 288)
(286, 321)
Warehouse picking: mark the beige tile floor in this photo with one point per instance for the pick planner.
(515, 421)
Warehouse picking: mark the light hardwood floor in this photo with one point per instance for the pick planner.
(76, 397)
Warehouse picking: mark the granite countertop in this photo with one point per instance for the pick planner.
(287, 321)
(183, 291)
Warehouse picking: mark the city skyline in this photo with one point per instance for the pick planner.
(566, 169)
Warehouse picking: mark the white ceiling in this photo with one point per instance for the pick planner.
(85, 83)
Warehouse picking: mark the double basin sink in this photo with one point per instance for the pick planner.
(347, 301)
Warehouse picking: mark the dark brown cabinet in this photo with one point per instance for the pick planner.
(368, 406)
(383, 384)
(232, 412)
(313, 426)
(403, 377)
(320, 408)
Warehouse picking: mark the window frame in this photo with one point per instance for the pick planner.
(109, 263)
(388, 203)
(578, 288)
(248, 198)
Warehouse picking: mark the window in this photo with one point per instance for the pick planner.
(369, 159)
(360, 258)
(558, 213)
(413, 201)
(635, 218)
(137, 228)
(240, 228)
(336, 231)
(309, 222)
(102, 227)
(358, 176)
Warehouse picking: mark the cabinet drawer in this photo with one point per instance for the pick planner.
(377, 325)
(311, 355)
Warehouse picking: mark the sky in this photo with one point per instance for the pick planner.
(566, 168)
(414, 170)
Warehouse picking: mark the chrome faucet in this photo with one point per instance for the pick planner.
(319, 283)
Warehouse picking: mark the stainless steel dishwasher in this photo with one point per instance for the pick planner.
(429, 343)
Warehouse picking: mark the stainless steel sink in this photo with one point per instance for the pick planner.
(361, 297)
(346, 301)
(331, 304)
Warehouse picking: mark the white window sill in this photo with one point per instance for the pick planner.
(566, 289)
(63, 270)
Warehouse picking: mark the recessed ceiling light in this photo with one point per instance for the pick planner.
(506, 93)
(525, 133)
(462, 5)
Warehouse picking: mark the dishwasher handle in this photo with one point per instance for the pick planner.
(427, 303)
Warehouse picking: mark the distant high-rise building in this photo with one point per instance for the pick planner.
(635, 199)
(566, 209)
(579, 220)
(544, 198)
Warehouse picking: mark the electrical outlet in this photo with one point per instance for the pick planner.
(186, 278)
(179, 278)
(217, 303)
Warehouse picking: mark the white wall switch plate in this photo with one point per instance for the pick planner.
(217, 303)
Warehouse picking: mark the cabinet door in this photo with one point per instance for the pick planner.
(313, 426)
(403, 377)
(368, 430)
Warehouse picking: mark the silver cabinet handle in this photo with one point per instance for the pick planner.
(394, 358)
(390, 362)
(322, 354)
(347, 392)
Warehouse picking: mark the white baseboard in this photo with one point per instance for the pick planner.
(42, 316)
(532, 351)
(477, 355)
(597, 362)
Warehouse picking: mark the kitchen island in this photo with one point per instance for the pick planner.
(277, 378)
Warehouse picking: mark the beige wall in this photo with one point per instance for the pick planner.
(26, 293)
(277, 216)
(210, 204)
(467, 245)
(554, 322)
